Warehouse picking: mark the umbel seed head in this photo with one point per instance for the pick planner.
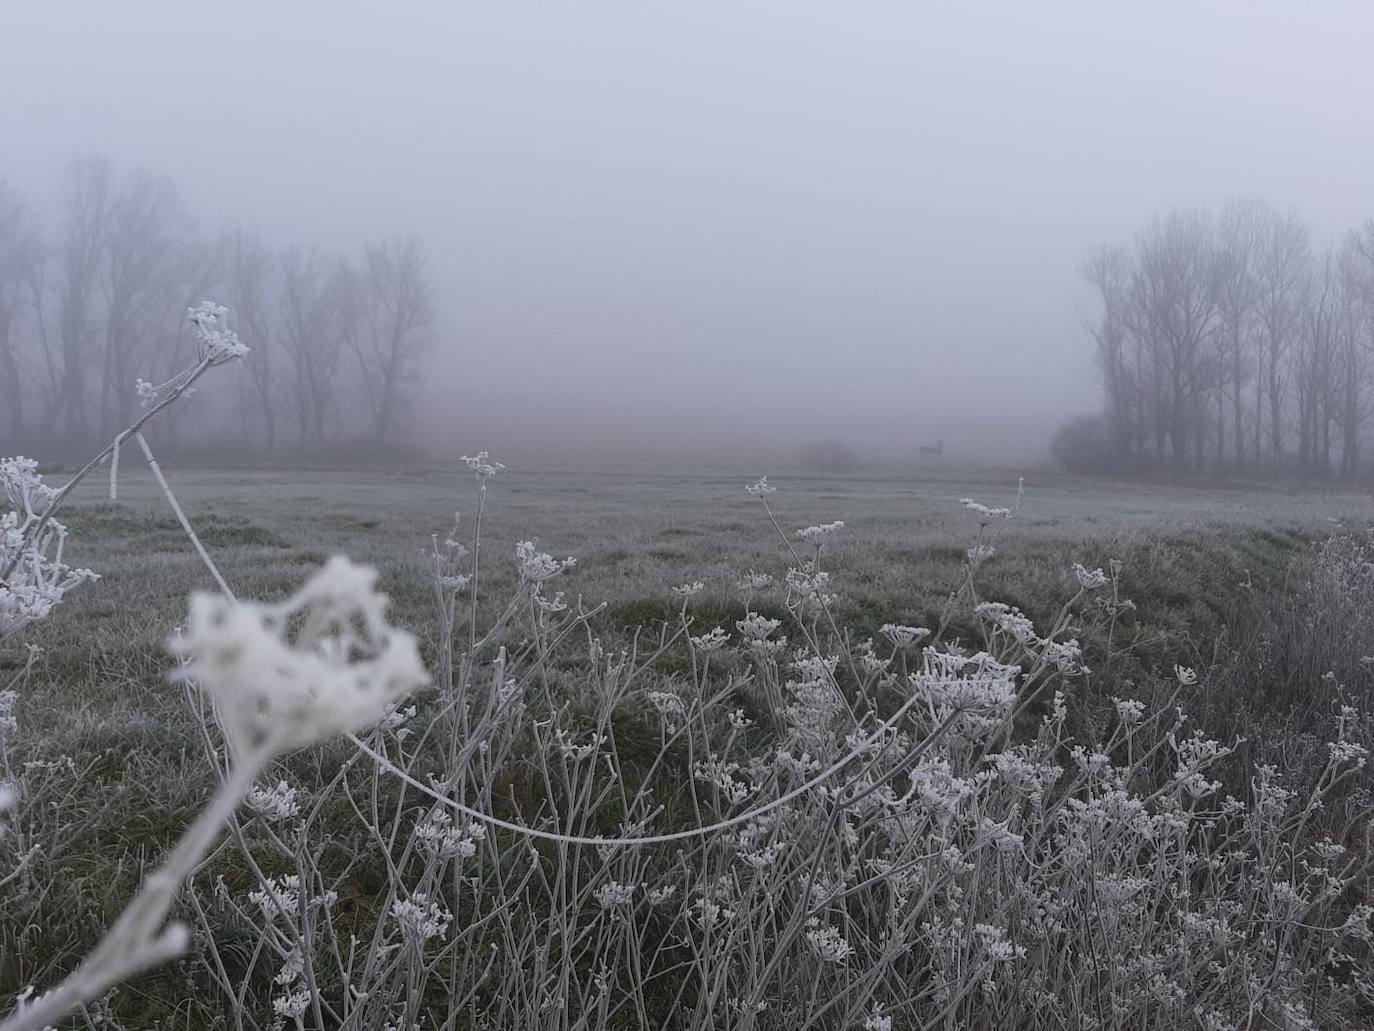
(285, 676)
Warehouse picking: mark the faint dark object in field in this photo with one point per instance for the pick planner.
(830, 456)
(936, 452)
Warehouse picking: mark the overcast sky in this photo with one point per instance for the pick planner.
(710, 223)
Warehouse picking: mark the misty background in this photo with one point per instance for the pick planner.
(721, 231)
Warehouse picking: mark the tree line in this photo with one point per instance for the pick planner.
(93, 297)
(1228, 344)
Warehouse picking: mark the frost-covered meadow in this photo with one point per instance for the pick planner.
(772, 517)
(872, 751)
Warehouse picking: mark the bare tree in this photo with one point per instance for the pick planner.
(310, 337)
(148, 228)
(388, 319)
(20, 252)
(1315, 367)
(1281, 275)
(1175, 314)
(84, 235)
(103, 303)
(1238, 239)
(1353, 367)
(1108, 269)
(249, 296)
(1228, 345)
(1357, 266)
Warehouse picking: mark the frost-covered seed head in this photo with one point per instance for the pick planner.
(755, 627)
(570, 748)
(661, 895)
(712, 642)
(538, 566)
(1348, 752)
(288, 675)
(1089, 579)
(827, 942)
(751, 581)
(24, 486)
(218, 344)
(281, 897)
(439, 837)
(1129, 711)
(292, 967)
(985, 514)
(291, 1005)
(994, 940)
(667, 703)
(819, 535)
(482, 465)
(903, 636)
(613, 895)
(35, 577)
(549, 605)
(420, 918)
(276, 803)
(807, 585)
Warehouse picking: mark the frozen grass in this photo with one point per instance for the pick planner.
(846, 907)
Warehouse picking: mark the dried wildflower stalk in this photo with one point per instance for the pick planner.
(32, 576)
(273, 690)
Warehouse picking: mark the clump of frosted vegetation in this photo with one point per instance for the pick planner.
(770, 823)
(34, 576)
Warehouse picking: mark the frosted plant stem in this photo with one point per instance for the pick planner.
(684, 835)
(183, 381)
(825, 607)
(140, 938)
(181, 516)
(476, 559)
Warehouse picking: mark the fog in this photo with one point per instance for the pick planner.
(717, 229)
